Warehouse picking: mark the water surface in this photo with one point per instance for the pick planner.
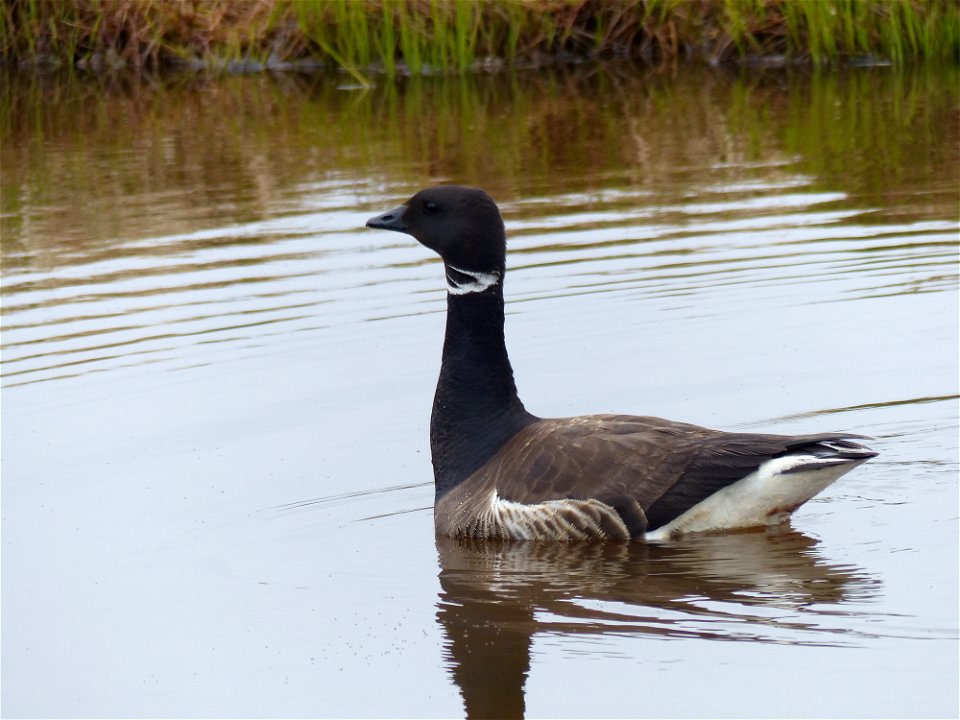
(216, 390)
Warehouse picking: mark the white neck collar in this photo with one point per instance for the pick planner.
(479, 281)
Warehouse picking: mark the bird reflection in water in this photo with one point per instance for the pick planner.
(496, 595)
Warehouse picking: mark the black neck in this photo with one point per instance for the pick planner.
(476, 408)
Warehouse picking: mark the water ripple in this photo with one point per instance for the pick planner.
(164, 299)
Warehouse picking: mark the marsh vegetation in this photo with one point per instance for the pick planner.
(368, 37)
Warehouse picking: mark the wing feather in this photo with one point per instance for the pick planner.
(649, 469)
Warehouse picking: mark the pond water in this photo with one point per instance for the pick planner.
(217, 384)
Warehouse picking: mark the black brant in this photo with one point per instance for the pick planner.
(502, 473)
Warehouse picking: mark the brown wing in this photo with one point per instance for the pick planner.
(649, 469)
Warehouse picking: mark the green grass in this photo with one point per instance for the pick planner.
(364, 37)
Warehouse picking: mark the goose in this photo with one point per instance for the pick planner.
(503, 473)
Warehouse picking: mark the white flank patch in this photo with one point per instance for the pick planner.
(480, 282)
(549, 520)
(765, 497)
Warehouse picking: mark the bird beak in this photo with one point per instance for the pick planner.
(392, 220)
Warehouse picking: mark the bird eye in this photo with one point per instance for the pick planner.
(431, 207)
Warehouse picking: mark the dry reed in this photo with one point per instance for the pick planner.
(365, 37)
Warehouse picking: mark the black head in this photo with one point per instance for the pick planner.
(461, 224)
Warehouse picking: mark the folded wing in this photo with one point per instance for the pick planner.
(650, 470)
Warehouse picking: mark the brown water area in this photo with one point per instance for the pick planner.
(217, 491)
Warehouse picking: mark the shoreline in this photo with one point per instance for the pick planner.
(368, 39)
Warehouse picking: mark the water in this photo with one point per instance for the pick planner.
(217, 384)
